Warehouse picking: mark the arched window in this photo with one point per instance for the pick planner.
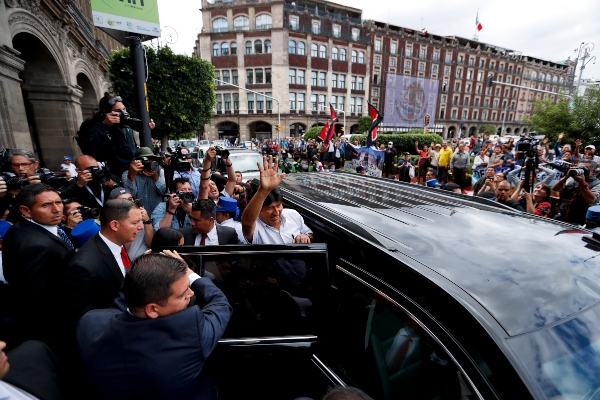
(220, 25)
(258, 47)
(233, 48)
(354, 56)
(248, 47)
(268, 46)
(292, 47)
(334, 53)
(561, 80)
(314, 50)
(224, 49)
(342, 54)
(361, 57)
(542, 77)
(301, 48)
(241, 23)
(264, 21)
(533, 75)
(322, 51)
(216, 49)
(555, 79)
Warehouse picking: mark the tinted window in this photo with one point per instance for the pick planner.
(245, 162)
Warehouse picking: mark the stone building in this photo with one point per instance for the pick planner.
(53, 72)
(307, 54)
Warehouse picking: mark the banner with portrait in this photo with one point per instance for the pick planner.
(367, 157)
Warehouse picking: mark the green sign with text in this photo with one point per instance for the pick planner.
(136, 16)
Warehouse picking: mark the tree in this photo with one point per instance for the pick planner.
(313, 132)
(487, 127)
(364, 123)
(577, 118)
(181, 90)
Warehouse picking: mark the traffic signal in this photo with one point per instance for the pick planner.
(279, 127)
(427, 118)
(342, 129)
(490, 81)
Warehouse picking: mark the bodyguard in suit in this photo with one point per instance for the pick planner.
(204, 231)
(35, 254)
(95, 274)
(150, 345)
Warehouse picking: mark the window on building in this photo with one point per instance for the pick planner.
(467, 102)
(436, 55)
(409, 50)
(342, 81)
(259, 77)
(292, 101)
(470, 74)
(508, 79)
(342, 54)
(458, 73)
(407, 64)
(377, 60)
(422, 53)
(234, 77)
(468, 88)
(260, 100)
(322, 51)
(316, 27)
(377, 44)
(359, 104)
(292, 75)
(461, 58)
(375, 92)
(337, 31)
(375, 77)
(454, 113)
(464, 114)
(300, 76)
(352, 104)
(481, 63)
(219, 102)
(264, 21)
(300, 98)
(354, 56)
(248, 47)
(448, 59)
(250, 101)
(421, 66)
(236, 101)
(313, 78)
(224, 49)
(268, 46)
(233, 48)
(501, 67)
(258, 48)
(355, 33)
(394, 48)
(360, 83)
(241, 23)
(361, 57)
(446, 70)
(341, 102)
(486, 103)
(226, 77)
(492, 65)
(457, 87)
(471, 61)
(392, 61)
(334, 80)
(269, 101)
(292, 47)
(215, 49)
(478, 89)
(442, 111)
(313, 102)
(314, 50)
(434, 69)
(249, 76)
(353, 82)
(219, 25)
(477, 102)
(322, 79)
(227, 101)
(321, 102)
(334, 53)
(294, 22)
(301, 48)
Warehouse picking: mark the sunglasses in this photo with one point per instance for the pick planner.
(115, 100)
(21, 165)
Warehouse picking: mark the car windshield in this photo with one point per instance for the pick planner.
(564, 359)
(245, 162)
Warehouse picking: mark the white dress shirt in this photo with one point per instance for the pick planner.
(115, 249)
(231, 223)
(53, 229)
(211, 240)
(292, 225)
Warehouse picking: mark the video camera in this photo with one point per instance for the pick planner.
(14, 182)
(149, 165)
(88, 213)
(55, 179)
(528, 144)
(176, 157)
(99, 174)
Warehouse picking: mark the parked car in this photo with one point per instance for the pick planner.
(409, 292)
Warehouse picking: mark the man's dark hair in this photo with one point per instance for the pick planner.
(26, 196)
(178, 181)
(150, 278)
(116, 210)
(450, 186)
(238, 172)
(206, 207)
(346, 393)
(274, 197)
(165, 237)
(433, 172)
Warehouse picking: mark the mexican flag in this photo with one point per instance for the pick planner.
(477, 23)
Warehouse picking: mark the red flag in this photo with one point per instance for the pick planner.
(477, 23)
(334, 117)
(323, 134)
(376, 119)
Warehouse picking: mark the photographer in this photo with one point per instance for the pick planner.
(145, 179)
(112, 136)
(20, 172)
(579, 189)
(208, 187)
(192, 174)
(93, 184)
(175, 213)
(71, 217)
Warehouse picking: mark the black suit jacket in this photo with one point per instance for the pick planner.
(92, 279)
(225, 234)
(84, 197)
(34, 261)
(132, 358)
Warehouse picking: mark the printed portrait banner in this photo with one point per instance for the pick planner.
(136, 16)
(367, 157)
(409, 99)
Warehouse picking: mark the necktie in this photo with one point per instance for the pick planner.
(64, 237)
(125, 258)
(203, 240)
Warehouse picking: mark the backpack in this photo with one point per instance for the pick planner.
(82, 137)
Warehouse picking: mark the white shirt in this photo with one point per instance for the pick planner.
(292, 225)
(53, 229)
(71, 168)
(115, 249)
(238, 229)
(10, 392)
(2, 278)
(477, 162)
(211, 239)
(399, 340)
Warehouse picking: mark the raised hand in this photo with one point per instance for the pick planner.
(269, 179)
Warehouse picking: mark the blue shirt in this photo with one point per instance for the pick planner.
(143, 187)
(194, 178)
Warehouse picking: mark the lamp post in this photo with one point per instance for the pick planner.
(504, 118)
(586, 49)
(261, 94)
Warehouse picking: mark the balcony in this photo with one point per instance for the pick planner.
(84, 26)
(326, 33)
(322, 13)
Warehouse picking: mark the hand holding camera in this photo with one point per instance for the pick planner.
(33, 179)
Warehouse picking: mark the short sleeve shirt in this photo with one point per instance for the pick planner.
(292, 225)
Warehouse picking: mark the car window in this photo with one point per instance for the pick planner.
(385, 352)
(245, 162)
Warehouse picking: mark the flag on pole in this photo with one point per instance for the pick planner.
(424, 31)
(323, 133)
(331, 132)
(376, 119)
(477, 23)
(334, 117)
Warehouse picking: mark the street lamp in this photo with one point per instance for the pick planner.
(586, 49)
(261, 94)
(504, 118)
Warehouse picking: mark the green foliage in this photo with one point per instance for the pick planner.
(402, 142)
(313, 133)
(364, 123)
(491, 128)
(577, 122)
(181, 90)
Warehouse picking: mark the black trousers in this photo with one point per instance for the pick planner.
(442, 175)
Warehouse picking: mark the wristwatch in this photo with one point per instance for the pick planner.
(147, 222)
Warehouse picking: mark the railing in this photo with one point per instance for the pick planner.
(322, 13)
(84, 25)
(327, 33)
(101, 48)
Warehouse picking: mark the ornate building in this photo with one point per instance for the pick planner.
(53, 71)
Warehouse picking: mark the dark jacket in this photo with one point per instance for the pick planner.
(116, 145)
(225, 234)
(164, 358)
(573, 207)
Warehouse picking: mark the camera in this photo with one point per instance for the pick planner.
(14, 182)
(55, 179)
(221, 152)
(188, 197)
(178, 160)
(149, 165)
(579, 171)
(125, 118)
(562, 166)
(138, 202)
(99, 174)
(88, 213)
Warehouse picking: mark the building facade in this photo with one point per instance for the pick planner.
(53, 72)
(297, 57)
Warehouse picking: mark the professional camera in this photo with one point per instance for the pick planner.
(178, 161)
(14, 182)
(187, 197)
(562, 166)
(88, 213)
(150, 165)
(582, 170)
(528, 144)
(55, 179)
(99, 174)
(221, 152)
(125, 118)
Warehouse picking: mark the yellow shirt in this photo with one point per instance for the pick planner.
(444, 157)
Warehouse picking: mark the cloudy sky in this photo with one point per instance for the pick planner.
(549, 29)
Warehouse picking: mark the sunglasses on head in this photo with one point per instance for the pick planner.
(115, 100)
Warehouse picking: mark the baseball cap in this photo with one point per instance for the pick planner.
(65, 158)
(593, 214)
(4, 225)
(360, 168)
(85, 230)
(433, 183)
(145, 152)
(116, 192)
(590, 146)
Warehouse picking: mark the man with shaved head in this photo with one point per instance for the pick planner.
(93, 184)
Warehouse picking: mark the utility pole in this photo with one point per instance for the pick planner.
(586, 49)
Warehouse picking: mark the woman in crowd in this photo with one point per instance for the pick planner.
(537, 202)
(424, 161)
(491, 183)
